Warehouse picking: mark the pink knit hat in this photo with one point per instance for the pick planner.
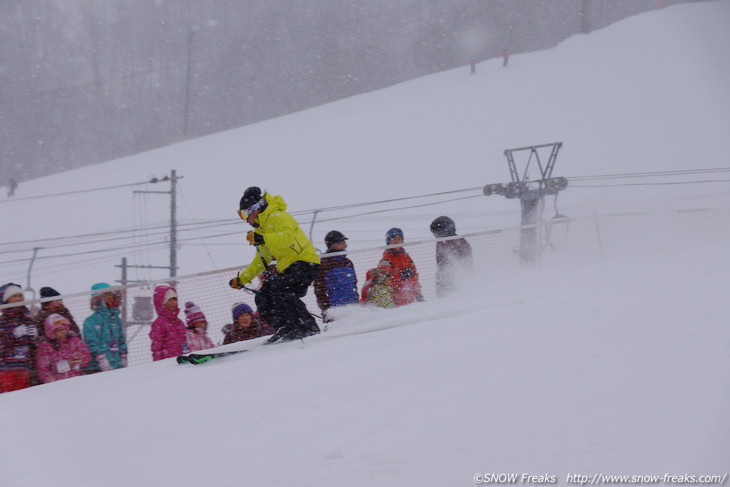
(193, 314)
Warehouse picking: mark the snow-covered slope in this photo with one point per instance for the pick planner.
(617, 367)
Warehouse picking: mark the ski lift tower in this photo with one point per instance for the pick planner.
(531, 192)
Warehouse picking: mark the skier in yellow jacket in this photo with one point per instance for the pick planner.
(277, 236)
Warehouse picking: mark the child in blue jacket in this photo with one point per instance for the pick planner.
(104, 331)
(336, 284)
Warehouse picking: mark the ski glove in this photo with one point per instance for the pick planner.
(20, 331)
(419, 298)
(25, 330)
(104, 364)
(254, 238)
(326, 318)
(235, 283)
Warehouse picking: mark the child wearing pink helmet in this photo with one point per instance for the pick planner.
(61, 354)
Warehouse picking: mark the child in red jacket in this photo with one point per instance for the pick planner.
(406, 285)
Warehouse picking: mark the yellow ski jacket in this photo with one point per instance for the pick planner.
(284, 241)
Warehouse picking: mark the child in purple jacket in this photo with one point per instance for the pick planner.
(62, 354)
(168, 334)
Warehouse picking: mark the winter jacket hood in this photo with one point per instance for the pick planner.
(168, 333)
(159, 302)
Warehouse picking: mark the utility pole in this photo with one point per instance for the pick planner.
(142, 307)
(173, 218)
(531, 193)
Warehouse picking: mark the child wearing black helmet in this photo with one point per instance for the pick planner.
(336, 283)
(453, 255)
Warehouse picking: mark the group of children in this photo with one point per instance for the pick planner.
(394, 281)
(171, 336)
(48, 345)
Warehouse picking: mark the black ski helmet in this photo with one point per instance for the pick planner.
(443, 226)
(250, 197)
(333, 237)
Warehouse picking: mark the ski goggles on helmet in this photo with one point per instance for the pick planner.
(244, 214)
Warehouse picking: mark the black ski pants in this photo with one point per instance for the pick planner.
(279, 299)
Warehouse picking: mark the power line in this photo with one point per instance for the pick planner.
(207, 250)
(681, 172)
(392, 200)
(666, 183)
(401, 208)
(85, 262)
(73, 254)
(214, 223)
(133, 231)
(160, 228)
(53, 195)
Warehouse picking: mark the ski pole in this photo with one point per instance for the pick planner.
(251, 290)
(263, 261)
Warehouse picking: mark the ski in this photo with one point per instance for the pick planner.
(201, 358)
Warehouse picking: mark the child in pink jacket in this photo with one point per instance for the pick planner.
(168, 332)
(197, 334)
(62, 354)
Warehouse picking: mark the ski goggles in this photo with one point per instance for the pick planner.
(244, 214)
